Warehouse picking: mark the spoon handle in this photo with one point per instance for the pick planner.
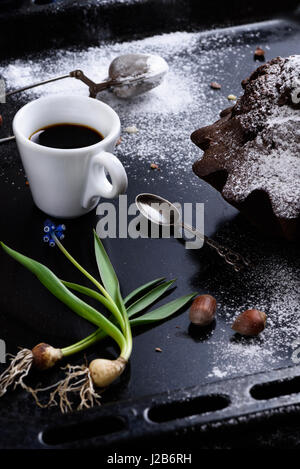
(94, 88)
(7, 139)
(28, 87)
(232, 258)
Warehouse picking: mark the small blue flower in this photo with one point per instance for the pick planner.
(51, 229)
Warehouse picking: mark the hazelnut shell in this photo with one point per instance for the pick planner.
(203, 309)
(250, 322)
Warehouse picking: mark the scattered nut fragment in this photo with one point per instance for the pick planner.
(259, 54)
(231, 97)
(250, 322)
(131, 129)
(1, 120)
(119, 141)
(158, 349)
(203, 309)
(215, 85)
(154, 166)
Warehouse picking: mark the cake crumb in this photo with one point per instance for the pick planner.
(215, 85)
(259, 54)
(131, 129)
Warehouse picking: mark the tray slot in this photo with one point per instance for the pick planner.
(278, 388)
(82, 430)
(192, 407)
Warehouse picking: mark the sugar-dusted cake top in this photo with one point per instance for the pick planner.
(257, 141)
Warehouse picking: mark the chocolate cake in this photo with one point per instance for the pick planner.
(252, 153)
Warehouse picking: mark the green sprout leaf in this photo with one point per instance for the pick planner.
(108, 274)
(84, 290)
(110, 297)
(149, 298)
(142, 289)
(106, 270)
(163, 312)
(152, 317)
(138, 306)
(112, 286)
(56, 287)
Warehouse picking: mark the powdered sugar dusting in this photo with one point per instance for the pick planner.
(165, 116)
(272, 285)
(291, 71)
(271, 160)
(274, 170)
(168, 114)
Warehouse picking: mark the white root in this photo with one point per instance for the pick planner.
(18, 369)
(42, 357)
(77, 380)
(82, 380)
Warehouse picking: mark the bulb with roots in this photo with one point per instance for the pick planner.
(78, 379)
(45, 356)
(41, 357)
(103, 372)
(83, 380)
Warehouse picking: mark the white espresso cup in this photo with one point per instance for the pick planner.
(69, 182)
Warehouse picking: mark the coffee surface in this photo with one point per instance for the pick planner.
(66, 136)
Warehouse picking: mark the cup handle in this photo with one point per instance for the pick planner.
(97, 183)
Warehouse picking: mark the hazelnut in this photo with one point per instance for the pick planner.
(203, 309)
(250, 322)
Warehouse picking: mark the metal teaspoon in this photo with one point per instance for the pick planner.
(162, 212)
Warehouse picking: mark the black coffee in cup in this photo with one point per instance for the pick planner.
(66, 136)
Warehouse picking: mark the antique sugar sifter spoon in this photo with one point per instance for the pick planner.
(129, 75)
(162, 212)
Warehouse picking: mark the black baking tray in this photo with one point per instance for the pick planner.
(173, 393)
